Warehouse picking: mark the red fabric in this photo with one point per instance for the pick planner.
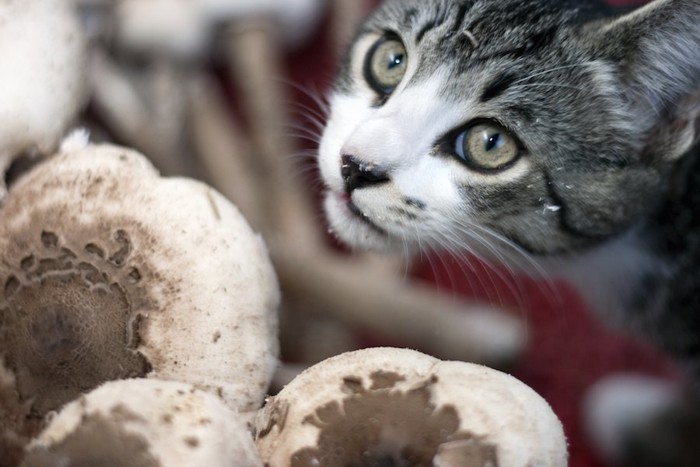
(570, 349)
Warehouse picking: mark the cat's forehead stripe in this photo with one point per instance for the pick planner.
(456, 18)
(498, 86)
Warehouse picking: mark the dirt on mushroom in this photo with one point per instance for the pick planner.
(398, 407)
(159, 424)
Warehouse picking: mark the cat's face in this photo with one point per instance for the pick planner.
(454, 123)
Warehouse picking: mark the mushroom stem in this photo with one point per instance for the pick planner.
(224, 151)
(364, 297)
(150, 119)
(255, 64)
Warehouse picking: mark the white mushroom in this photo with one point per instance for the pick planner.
(145, 423)
(108, 271)
(183, 28)
(399, 407)
(42, 54)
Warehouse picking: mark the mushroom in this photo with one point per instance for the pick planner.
(108, 272)
(386, 406)
(144, 423)
(183, 29)
(42, 54)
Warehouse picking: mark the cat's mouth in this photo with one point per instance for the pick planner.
(353, 211)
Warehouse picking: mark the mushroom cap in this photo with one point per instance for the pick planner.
(386, 406)
(145, 423)
(109, 271)
(42, 55)
(183, 28)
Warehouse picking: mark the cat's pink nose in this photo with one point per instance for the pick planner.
(358, 174)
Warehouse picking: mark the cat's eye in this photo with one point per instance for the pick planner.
(385, 65)
(487, 146)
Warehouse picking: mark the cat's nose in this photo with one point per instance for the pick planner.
(359, 174)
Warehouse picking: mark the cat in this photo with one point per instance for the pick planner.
(555, 135)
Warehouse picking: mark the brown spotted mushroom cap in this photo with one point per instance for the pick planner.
(384, 406)
(42, 54)
(108, 271)
(144, 423)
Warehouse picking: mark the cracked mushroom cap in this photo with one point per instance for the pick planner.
(42, 55)
(144, 423)
(380, 407)
(108, 272)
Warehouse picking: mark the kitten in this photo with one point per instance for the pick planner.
(555, 134)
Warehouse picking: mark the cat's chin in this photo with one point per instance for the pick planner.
(354, 230)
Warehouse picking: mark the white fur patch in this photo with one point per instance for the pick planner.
(399, 138)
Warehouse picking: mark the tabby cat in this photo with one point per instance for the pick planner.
(545, 134)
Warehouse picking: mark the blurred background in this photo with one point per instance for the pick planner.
(233, 93)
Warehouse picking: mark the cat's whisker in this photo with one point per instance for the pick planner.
(437, 253)
(552, 70)
(511, 280)
(305, 132)
(427, 251)
(319, 112)
(531, 266)
(510, 247)
(466, 255)
(304, 171)
(502, 253)
(318, 97)
(305, 155)
(318, 121)
(548, 85)
(305, 136)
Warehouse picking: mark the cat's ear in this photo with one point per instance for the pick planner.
(656, 49)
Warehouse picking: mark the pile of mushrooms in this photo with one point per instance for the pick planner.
(373, 407)
(111, 272)
(144, 423)
(42, 82)
(139, 314)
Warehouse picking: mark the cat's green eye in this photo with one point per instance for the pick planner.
(487, 146)
(385, 65)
